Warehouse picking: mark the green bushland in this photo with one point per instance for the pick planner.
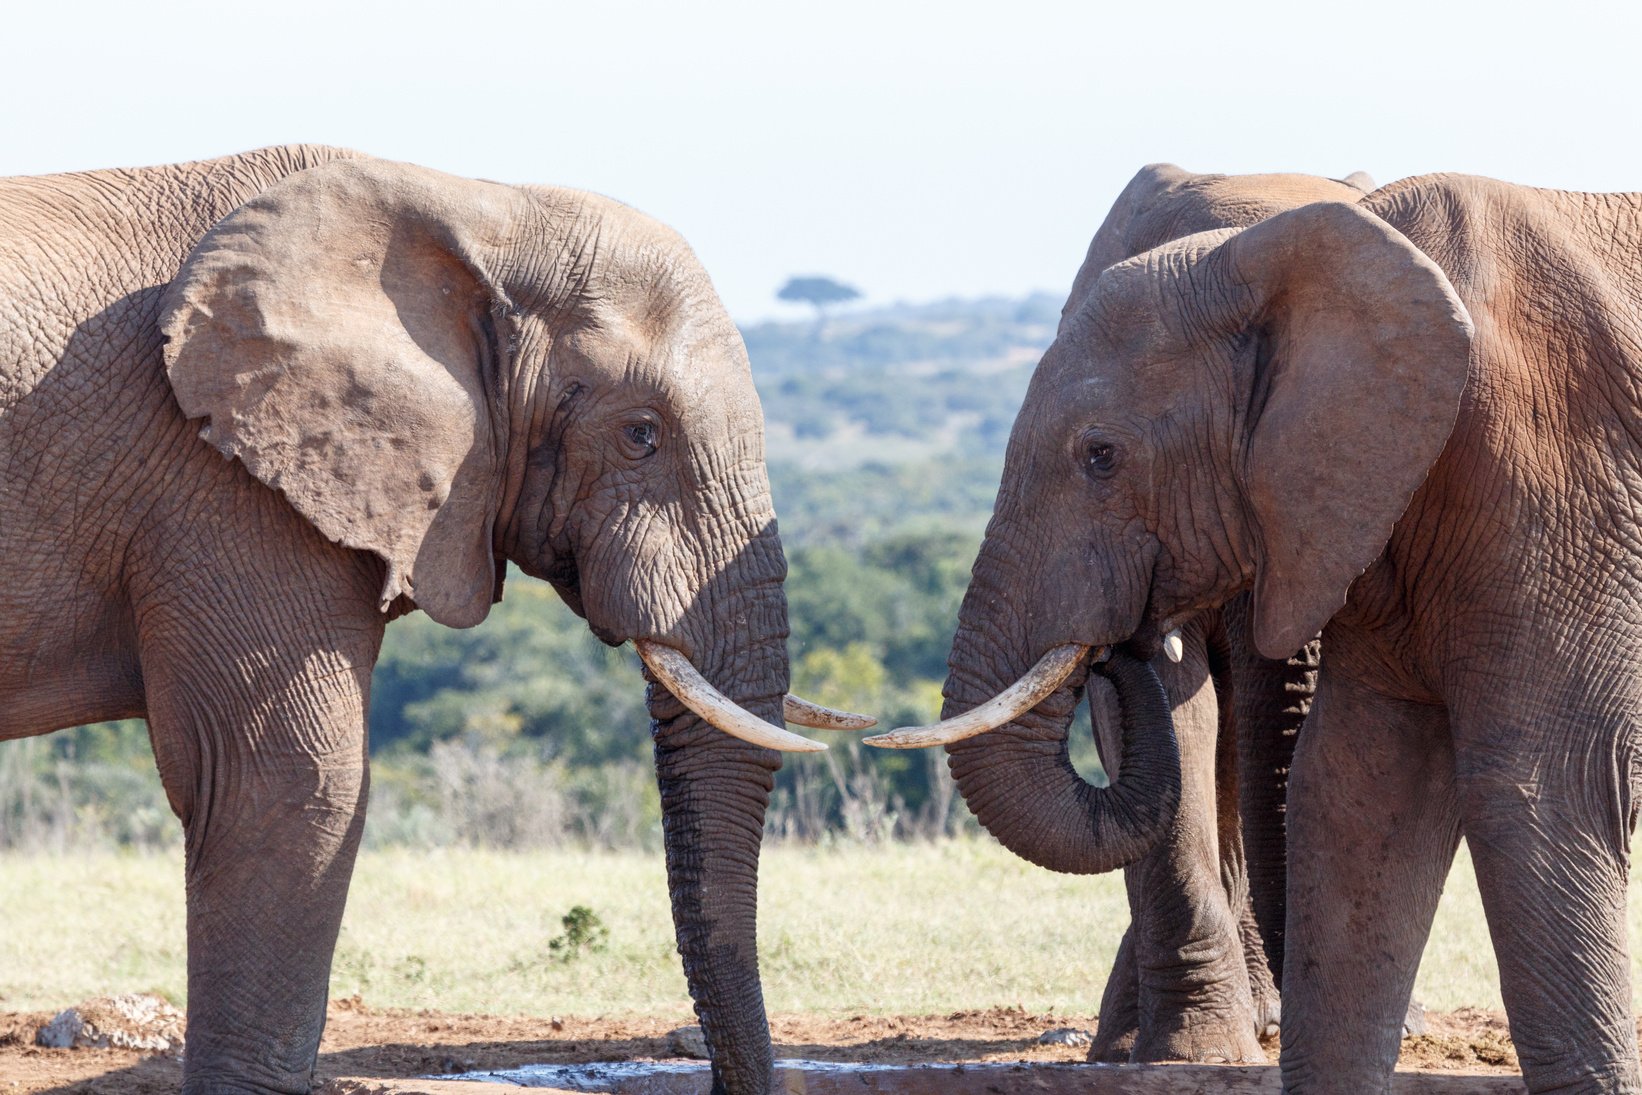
(844, 929)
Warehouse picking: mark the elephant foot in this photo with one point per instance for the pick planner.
(1205, 1037)
(1210, 1021)
(1119, 1022)
(1268, 1003)
(1114, 1042)
(1194, 1034)
(1268, 1016)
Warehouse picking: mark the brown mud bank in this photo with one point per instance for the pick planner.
(375, 1051)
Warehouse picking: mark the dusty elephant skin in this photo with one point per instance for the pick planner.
(252, 408)
(1410, 419)
(1196, 972)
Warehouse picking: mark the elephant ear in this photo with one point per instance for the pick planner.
(338, 332)
(1363, 353)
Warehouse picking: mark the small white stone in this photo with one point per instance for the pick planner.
(61, 1032)
(1065, 1036)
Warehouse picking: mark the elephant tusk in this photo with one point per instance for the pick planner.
(1040, 681)
(801, 712)
(1173, 646)
(691, 689)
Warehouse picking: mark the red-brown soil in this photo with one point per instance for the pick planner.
(364, 1041)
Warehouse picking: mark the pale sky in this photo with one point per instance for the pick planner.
(914, 150)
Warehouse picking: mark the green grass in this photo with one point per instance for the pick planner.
(844, 930)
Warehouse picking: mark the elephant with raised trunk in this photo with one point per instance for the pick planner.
(1411, 420)
(253, 408)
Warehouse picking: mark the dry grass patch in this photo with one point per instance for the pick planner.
(897, 929)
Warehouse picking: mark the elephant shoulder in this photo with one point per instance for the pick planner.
(1491, 236)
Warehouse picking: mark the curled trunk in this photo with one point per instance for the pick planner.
(1019, 780)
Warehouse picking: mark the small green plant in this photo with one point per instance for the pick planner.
(413, 969)
(583, 931)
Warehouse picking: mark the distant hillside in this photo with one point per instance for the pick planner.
(884, 417)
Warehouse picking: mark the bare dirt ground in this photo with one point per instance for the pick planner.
(392, 1043)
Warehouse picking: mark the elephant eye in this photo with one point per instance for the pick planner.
(642, 436)
(1100, 458)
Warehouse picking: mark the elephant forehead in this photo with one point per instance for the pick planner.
(705, 383)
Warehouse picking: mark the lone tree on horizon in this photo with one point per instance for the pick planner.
(819, 293)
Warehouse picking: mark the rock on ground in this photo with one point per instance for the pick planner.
(133, 1021)
(1065, 1036)
(687, 1042)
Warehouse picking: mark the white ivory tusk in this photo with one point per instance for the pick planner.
(801, 712)
(1173, 646)
(685, 682)
(1040, 681)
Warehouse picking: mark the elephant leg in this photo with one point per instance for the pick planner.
(1193, 1000)
(1268, 1002)
(1119, 1020)
(1235, 878)
(1547, 813)
(1373, 824)
(1234, 860)
(257, 716)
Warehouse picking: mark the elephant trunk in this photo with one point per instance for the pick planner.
(1270, 704)
(714, 793)
(1018, 780)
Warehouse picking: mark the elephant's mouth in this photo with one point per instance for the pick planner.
(674, 671)
(1155, 636)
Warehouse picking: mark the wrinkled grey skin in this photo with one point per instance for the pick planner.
(228, 455)
(1196, 973)
(1412, 420)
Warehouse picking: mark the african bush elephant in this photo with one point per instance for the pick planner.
(1195, 975)
(1413, 420)
(229, 454)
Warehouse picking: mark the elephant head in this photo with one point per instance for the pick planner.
(1164, 202)
(1213, 414)
(447, 374)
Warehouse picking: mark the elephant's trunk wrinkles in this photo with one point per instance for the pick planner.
(1020, 783)
(714, 792)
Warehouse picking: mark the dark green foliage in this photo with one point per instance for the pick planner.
(583, 931)
(532, 672)
(89, 785)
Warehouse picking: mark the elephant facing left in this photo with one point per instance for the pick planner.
(253, 408)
